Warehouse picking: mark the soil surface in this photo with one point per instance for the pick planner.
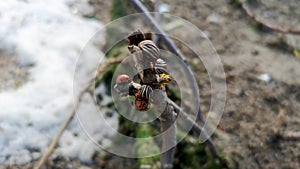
(260, 117)
(261, 120)
(12, 73)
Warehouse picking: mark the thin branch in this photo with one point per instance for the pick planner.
(167, 119)
(159, 100)
(292, 135)
(168, 42)
(157, 18)
(54, 142)
(184, 118)
(63, 127)
(251, 14)
(172, 47)
(103, 66)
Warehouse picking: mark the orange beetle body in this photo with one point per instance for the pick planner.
(141, 104)
(141, 100)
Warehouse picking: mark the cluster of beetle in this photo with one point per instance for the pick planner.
(152, 74)
(152, 71)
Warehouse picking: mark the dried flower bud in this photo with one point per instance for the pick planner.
(123, 78)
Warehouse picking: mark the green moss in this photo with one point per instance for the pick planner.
(252, 2)
(190, 155)
(144, 148)
(173, 94)
(106, 77)
(147, 146)
(235, 4)
(144, 130)
(151, 161)
(91, 17)
(213, 165)
(117, 10)
(127, 127)
(111, 105)
(117, 49)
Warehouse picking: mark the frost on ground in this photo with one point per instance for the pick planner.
(48, 36)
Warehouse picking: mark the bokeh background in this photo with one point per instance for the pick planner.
(258, 42)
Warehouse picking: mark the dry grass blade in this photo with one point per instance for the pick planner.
(54, 142)
(99, 73)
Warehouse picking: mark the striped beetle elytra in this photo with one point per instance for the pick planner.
(141, 100)
(152, 71)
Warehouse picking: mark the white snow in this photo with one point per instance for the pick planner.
(48, 35)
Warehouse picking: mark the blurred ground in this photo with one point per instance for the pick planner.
(39, 48)
(12, 74)
(260, 115)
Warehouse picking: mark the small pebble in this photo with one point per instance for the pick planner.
(163, 8)
(264, 77)
(213, 18)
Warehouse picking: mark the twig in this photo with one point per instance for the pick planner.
(167, 119)
(158, 98)
(184, 119)
(60, 132)
(251, 14)
(169, 43)
(54, 142)
(157, 18)
(172, 47)
(293, 135)
(101, 69)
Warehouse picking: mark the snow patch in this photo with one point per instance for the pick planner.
(47, 35)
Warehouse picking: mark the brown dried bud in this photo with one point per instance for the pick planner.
(123, 78)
